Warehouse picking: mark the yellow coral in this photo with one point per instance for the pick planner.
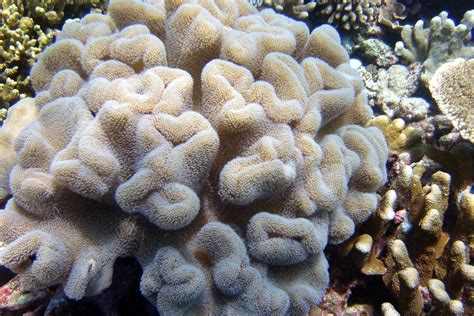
(52, 11)
(24, 33)
(399, 137)
(20, 42)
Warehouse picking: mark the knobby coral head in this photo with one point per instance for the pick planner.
(221, 146)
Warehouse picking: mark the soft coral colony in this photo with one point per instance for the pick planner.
(221, 146)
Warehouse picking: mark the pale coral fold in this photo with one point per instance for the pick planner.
(221, 146)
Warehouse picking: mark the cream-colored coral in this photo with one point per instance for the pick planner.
(443, 304)
(404, 280)
(399, 137)
(452, 88)
(24, 112)
(221, 146)
(389, 310)
(441, 42)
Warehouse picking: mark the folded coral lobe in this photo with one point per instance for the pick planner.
(221, 146)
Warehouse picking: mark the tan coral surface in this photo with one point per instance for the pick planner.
(451, 86)
(221, 146)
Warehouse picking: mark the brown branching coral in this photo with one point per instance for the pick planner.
(412, 218)
(350, 14)
(403, 280)
(344, 14)
(444, 305)
(221, 146)
(296, 8)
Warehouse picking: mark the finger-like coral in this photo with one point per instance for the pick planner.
(351, 14)
(404, 281)
(444, 305)
(399, 137)
(53, 10)
(297, 8)
(221, 146)
(441, 42)
(427, 238)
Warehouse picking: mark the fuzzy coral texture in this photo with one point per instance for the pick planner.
(221, 146)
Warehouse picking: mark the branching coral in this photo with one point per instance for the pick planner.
(344, 14)
(441, 42)
(404, 280)
(405, 283)
(20, 42)
(51, 11)
(350, 14)
(412, 218)
(297, 8)
(221, 146)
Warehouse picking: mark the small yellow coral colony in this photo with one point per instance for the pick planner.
(24, 32)
(20, 42)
